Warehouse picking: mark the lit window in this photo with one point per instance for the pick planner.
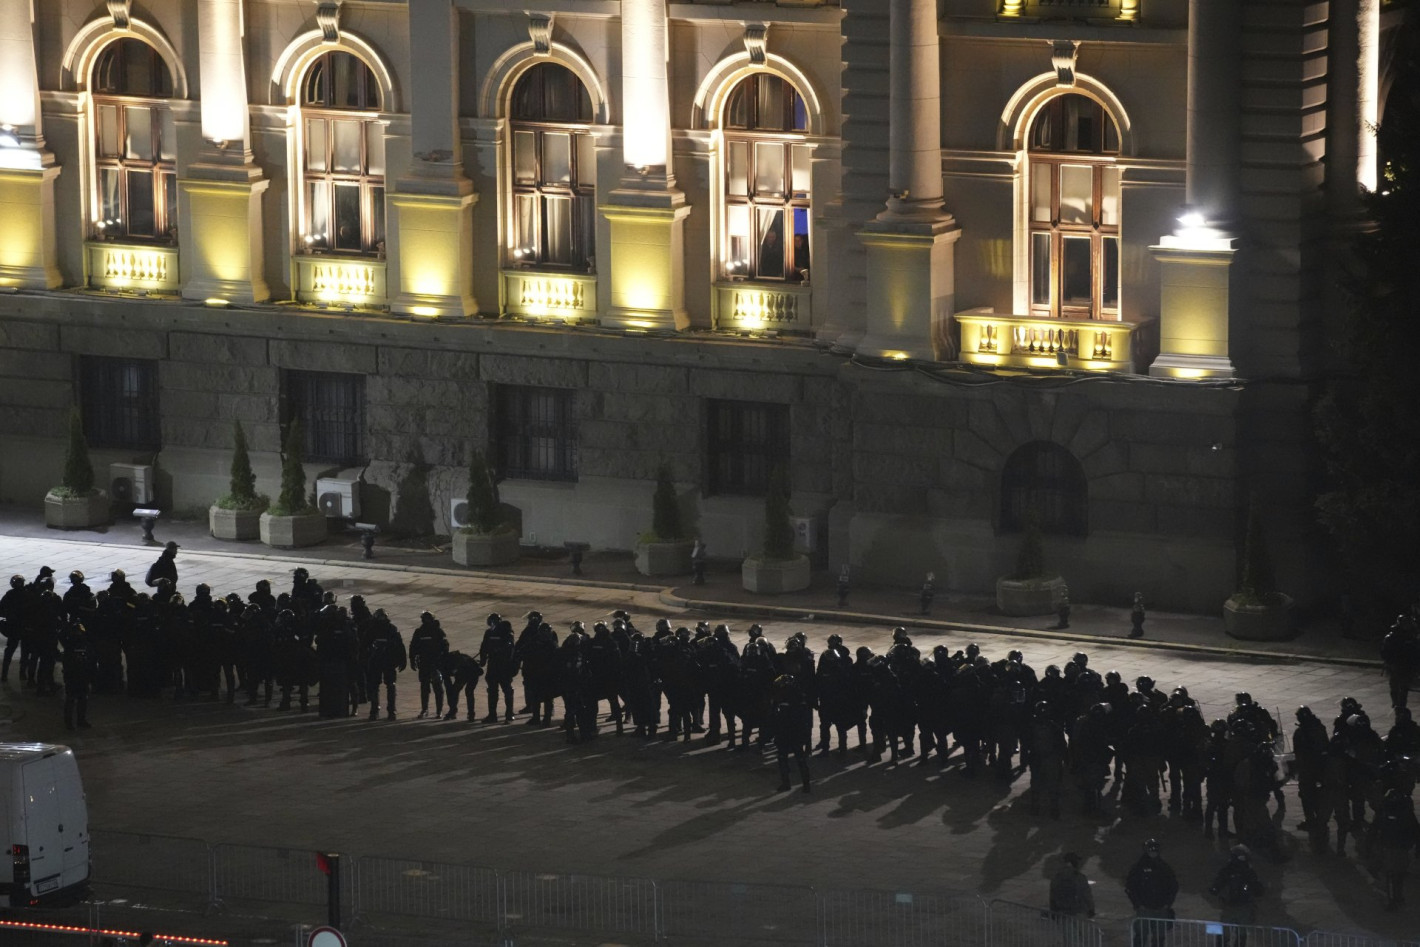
(118, 401)
(554, 170)
(1074, 211)
(746, 441)
(534, 433)
(135, 144)
(766, 181)
(331, 409)
(343, 157)
(1044, 481)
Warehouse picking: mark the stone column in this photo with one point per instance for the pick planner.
(646, 212)
(28, 249)
(431, 240)
(1196, 285)
(910, 265)
(222, 229)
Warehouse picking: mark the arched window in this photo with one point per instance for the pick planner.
(766, 186)
(1044, 481)
(135, 144)
(554, 170)
(1074, 210)
(343, 156)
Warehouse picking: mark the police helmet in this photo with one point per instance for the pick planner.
(263, 584)
(493, 619)
(600, 628)
(1145, 683)
(76, 577)
(899, 635)
(973, 649)
(1052, 670)
(1243, 698)
(380, 615)
(1181, 693)
(1113, 677)
(1304, 713)
(1015, 657)
(17, 581)
(300, 573)
(1239, 853)
(117, 575)
(426, 618)
(578, 628)
(835, 640)
(533, 616)
(1042, 708)
(1081, 658)
(1152, 846)
(357, 600)
(755, 631)
(863, 653)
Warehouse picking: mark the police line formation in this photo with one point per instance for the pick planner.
(1071, 729)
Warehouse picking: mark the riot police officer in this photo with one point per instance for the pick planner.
(500, 664)
(427, 647)
(384, 657)
(78, 670)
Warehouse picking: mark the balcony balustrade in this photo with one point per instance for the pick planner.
(132, 267)
(763, 307)
(341, 281)
(1027, 342)
(564, 297)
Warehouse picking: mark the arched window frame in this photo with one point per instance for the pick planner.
(1073, 209)
(324, 134)
(1044, 479)
(539, 236)
(764, 123)
(134, 136)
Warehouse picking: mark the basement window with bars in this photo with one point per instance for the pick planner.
(745, 442)
(331, 409)
(534, 433)
(118, 402)
(1044, 481)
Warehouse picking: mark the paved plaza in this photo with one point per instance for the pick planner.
(513, 796)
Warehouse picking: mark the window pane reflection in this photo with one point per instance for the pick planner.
(1076, 194)
(1076, 285)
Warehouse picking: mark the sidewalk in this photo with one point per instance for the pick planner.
(723, 594)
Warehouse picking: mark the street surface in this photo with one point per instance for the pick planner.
(513, 796)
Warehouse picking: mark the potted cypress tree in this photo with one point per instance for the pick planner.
(238, 514)
(1032, 589)
(778, 568)
(1257, 611)
(76, 503)
(487, 540)
(665, 550)
(294, 520)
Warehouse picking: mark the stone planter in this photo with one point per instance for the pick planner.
(664, 558)
(485, 549)
(76, 512)
(234, 524)
(1023, 597)
(772, 576)
(291, 532)
(1276, 622)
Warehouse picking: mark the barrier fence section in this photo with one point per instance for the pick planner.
(857, 918)
(1019, 925)
(402, 888)
(1190, 933)
(738, 913)
(152, 862)
(546, 901)
(1332, 939)
(254, 873)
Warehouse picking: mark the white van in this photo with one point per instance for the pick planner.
(44, 826)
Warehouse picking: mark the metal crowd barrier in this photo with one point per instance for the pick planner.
(1190, 933)
(1332, 939)
(475, 906)
(737, 913)
(857, 918)
(1019, 925)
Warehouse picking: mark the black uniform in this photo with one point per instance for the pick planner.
(791, 725)
(427, 647)
(384, 658)
(500, 665)
(1152, 887)
(461, 674)
(78, 668)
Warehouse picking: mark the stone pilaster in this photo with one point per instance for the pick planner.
(1197, 279)
(220, 235)
(28, 249)
(431, 240)
(646, 213)
(911, 244)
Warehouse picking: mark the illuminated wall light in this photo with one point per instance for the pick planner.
(426, 311)
(216, 302)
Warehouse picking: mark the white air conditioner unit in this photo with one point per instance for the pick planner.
(338, 497)
(805, 534)
(131, 483)
(458, 513)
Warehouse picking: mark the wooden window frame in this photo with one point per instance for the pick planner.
(1098, 157)
(107, 94)
(532, 250)
(751, 136)
(320, 186)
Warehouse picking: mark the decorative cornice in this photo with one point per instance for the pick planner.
(756, 42)
(1062, 59)
(328, 19)
(540, 32)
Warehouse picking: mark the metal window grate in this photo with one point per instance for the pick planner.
(1044, 480)
(746, 442)
(118, 400)
(331, 409)
(535, 435)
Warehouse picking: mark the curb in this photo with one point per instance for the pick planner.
(670, 598)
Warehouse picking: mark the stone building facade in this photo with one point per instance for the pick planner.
(953, 264)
